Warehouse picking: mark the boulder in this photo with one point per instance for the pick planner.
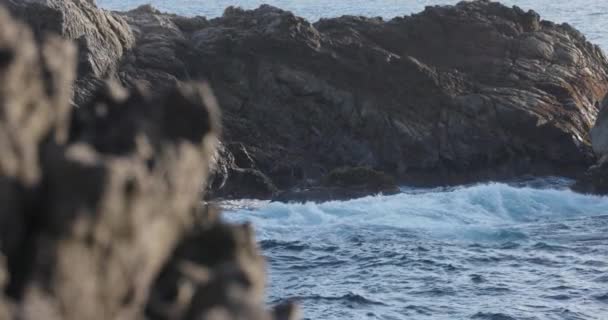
(599, 133)
(359, 177)
(236, 176)
(454, 94)
(595, 179)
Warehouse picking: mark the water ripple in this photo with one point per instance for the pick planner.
(420, 255)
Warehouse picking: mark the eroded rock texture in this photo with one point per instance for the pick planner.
(453, 94)
(100, 214)
(102, 38)
(459, 93)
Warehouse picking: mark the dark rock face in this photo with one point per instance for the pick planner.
(454, 94)
(359, 177)
(599, 133)
(100, 210)
(344, 184)
(460, 93)
(235, 175)
(595, 180)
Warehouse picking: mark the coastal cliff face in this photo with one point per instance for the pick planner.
(453, 94)
(100, 212)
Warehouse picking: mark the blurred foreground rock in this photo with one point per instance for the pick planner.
(100, 213)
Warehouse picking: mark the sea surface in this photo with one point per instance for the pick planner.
(589, 16)
(525, 250)
(499, 251)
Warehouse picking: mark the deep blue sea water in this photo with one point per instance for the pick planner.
(527, 250)
(531, 250)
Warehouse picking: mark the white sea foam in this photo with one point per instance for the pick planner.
(468, 211)
(439, 254)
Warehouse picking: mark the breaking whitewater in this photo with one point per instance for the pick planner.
(530, 249)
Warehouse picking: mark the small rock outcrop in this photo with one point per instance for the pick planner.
(236, 176)
(359, 177)
(595, 180)
(100, 206)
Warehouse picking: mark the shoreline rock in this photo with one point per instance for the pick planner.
(595, 179)
(344, 184)
(454, 94)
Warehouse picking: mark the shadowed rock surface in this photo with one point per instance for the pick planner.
(459, 93)
(100, 213)
(595, 180)
(453, 94)
(235, 175)
(344, 184)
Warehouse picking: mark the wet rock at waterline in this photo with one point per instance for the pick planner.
(343, 184)
(235, 175)
(595, 180)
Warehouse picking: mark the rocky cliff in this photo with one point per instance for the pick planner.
(459, 93)
(453, 94)
(100, 211)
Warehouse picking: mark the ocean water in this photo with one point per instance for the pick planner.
(589, 16)
(527, 250)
